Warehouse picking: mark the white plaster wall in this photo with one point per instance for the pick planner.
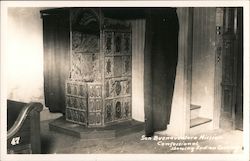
(177, 125)
(203, 63)
(138, 38)
(24, 55)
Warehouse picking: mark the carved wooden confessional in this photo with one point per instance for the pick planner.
(98, 86)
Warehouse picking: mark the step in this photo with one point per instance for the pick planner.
(201, 129)
(194, 111)
(193, 107)
(60, 125)
(199, 121)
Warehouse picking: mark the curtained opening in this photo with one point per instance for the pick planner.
(160, 61)
(56, 60)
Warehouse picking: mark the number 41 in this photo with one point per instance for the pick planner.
(15, 140)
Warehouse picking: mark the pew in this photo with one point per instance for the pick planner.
(23, 125)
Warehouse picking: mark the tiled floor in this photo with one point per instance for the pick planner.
(218, 141)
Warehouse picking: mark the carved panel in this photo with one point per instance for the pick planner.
(76, 102)
(126, 86)
(117, 87)
(109, 67)
(94, 105)
(96, 68)
(108, 112)
(107, 88)
(117, 109)
(108, 43)
(122, 108)
(118, 42)
(98, 104)
(118, 63)
(114, 24)
(85, 43)
(71, 102)
(76, 66)
(126, 104)
(76, 116)
(82, 103)
(98, 119)
(82, 117)
(110, 87)
(82, 67)
(87, 67)
(94, 119)
(76, 88)
(85, 20)
(126, 43)
(91, 105)
(126, 66)
(91, 118)
(94, 90)
(82, 90)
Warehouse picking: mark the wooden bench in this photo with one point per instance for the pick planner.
(23, 125)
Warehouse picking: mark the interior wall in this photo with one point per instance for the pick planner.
(138, 38)
(24, 55)
(203, 63)
(181, 98)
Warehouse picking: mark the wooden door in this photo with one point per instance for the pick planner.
(239, 91)
(231, 69)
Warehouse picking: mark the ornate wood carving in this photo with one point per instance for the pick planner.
(99, 85)
(95, 104)
(108, 111)
(85, 43)
(108, 42)
(111, 24)
(118, 109)
(85, 46)
(85, 20)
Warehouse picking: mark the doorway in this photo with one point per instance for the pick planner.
(230, 56)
